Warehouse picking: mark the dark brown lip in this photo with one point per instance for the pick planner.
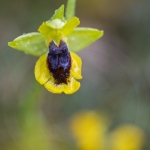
(59, 62)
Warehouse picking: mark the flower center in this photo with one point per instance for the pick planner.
(59, 62)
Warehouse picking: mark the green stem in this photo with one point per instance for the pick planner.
(70, 10)
(33, 124)
(31, 99)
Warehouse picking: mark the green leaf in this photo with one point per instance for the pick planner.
(82, 37)
(70, 25)
(32, 43)
(70, 10)
(59, 13)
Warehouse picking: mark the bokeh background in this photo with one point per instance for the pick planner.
(111, 111)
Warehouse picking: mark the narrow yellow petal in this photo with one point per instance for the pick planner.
(76, 66)
(41, 71)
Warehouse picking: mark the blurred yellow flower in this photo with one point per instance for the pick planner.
(89, 130)
(127, 137)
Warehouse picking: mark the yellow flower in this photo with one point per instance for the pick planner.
(63, 71)
(91, 133)
(58, 68)
(89, 130)
(127, 137)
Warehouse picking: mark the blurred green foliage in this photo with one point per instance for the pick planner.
(116, 74)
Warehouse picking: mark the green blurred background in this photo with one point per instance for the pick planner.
(116, 74)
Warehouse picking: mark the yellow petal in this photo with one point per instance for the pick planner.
(70, 88)
(76, 66)
(41, 71)
(43, 76)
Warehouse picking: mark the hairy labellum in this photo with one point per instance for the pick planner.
(59, 62)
